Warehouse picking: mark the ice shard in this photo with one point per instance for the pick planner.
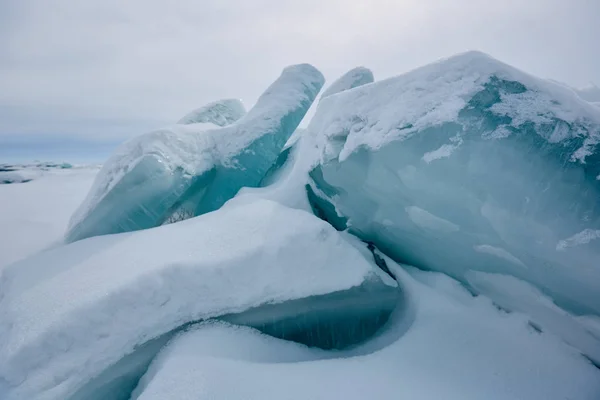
(186, 170)
(467, 164)
(221, 113)
(83, 321)
(354, 78)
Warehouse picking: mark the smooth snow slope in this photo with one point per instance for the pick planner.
(68, 314)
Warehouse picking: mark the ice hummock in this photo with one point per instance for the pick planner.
(441, 343)
(467, 164)
(221, 113)
(68, 315)
(186, 170)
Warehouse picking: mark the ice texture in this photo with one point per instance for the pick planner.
(285, 185)
(221, 113)
(467, 164)
(355, 77)
(186, 170)
(441, 343)
(67, 315)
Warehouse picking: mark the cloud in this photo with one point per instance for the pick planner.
(108, 69)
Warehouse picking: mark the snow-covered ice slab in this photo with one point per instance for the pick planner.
(221, 113)
(67, 315)
(467, 164)
(187, 170)
(445, 344)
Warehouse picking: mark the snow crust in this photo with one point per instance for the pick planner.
(69, 313)
(439, 344)
(221, 113)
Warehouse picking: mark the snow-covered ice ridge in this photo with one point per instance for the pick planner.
(294, 278)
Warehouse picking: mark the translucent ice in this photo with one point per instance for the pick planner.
(220, 113)
(185, 170)
(355, 77)
(467, 164)
(70, 316)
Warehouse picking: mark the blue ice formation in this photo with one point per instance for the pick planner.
(354, 78)
(468, 164)
(186, 170)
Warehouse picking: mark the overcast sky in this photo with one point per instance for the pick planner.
(106, 70)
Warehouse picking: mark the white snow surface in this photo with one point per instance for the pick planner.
(441, 343)
(70, 312)
(519, 296)
(35, 214)
(221, 113)
(399, 107)
(196, 149)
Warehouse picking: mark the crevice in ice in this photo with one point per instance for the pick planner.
(379, 260)
(325, 210)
